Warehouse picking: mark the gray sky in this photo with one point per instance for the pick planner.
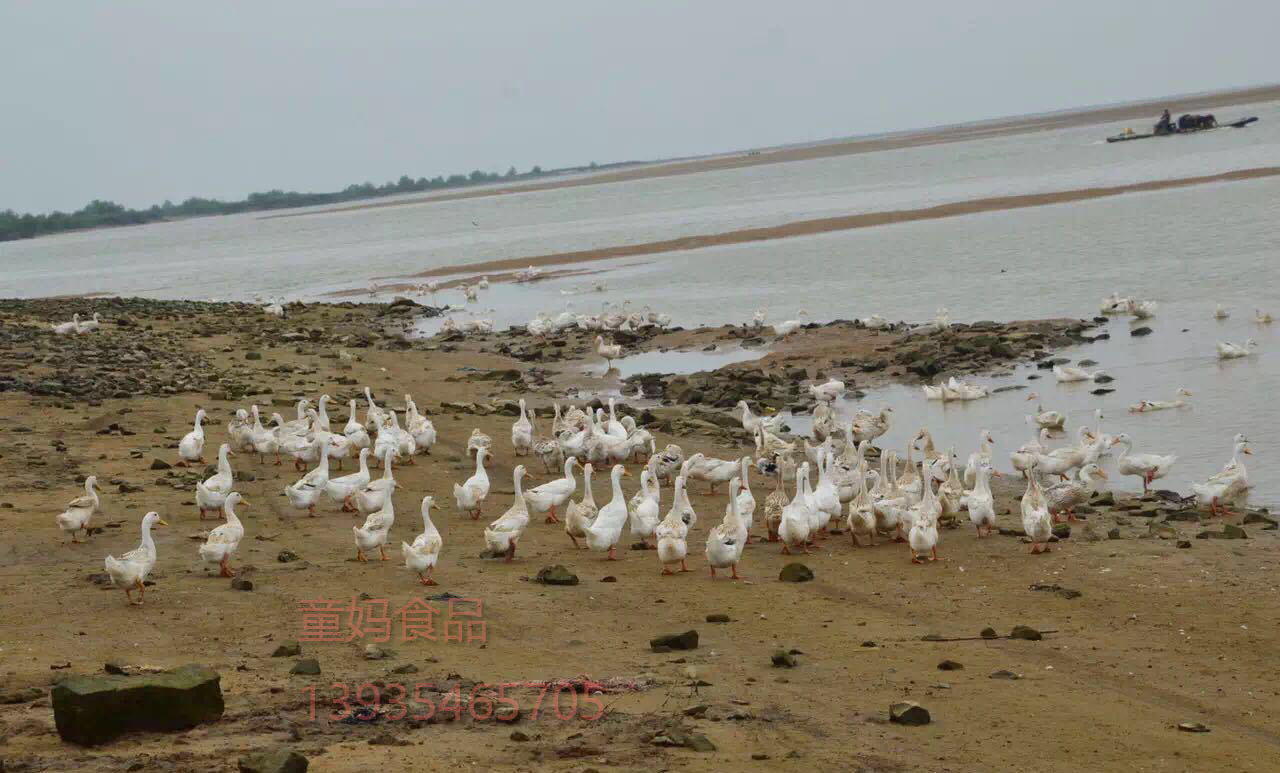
(145, 100)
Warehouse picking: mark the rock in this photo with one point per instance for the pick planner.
(557, 575)
(676, 641)
(795, 572)
(306, 667)
(696, 711)
(406, 668)
(1113, 534)
(1231, 531)
(989, 633)
(1105, 498)
(253, 355)
(1005, 674)
(1139, 332)
(1026, 633)
(273, 761)
(374, 652)
(717, 618)
(1062, 530)
(90, 710)
(909, 713)
(518, 736)
(240, 583)
(1183, 544)
(286, 556)
(950, 665)
(1192, 727)
(699, 743)
(21, 695)
(289, 648)
(1162, 531)
(160, 464)
(608, 578)
(784, 659)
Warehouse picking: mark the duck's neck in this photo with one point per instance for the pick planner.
(364, 463)
(616, 479)
(229, 513)
(351, 407)
(148, 544)
(479, 463)
(588, 498)
(386, 466)
(427, 525)
(224, 464)
(983, 483)
(519, 490)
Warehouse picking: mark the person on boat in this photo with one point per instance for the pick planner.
(1165, 124)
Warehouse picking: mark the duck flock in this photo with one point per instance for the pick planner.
(835, 476)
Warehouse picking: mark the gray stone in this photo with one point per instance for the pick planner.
(795, 572)
(273, 761)
(90, 710)
(717, 618)
(784, 659)
(1026, 633)
(290, 648)
(1005, 674)
(21, 695)
(909, 713)
(676, 641)
(557, 575)
(950, 665)
(306, 667)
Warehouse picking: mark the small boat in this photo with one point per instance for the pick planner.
(1130, 134)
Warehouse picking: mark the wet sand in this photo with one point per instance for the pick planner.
(1147, 110)
(1161, 635)
(846, 222)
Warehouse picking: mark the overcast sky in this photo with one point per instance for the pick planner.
(145, 100)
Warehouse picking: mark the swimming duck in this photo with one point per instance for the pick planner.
(1259, 316)
(1047, 419)
(130, 570)
(1230, 351)
(374, 532)
(1221, 312)
(423, 554)
(191, 447)
(470, 495)
(80, 510)
(1146, 406)
(502, 535)
(223, 540)
(1069, 374)
(673, 532)
(212, 492)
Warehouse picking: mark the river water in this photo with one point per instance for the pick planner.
(1188, 249)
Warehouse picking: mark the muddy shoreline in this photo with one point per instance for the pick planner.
(1145, 626)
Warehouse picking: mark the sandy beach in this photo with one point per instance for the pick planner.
(1143, 626)
(1145, 111)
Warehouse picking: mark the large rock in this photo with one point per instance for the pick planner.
(273, 761)
(676, 641)
(909, 713)
(557, 575)
(90, 710)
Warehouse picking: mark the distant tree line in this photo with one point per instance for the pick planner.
(97, 213)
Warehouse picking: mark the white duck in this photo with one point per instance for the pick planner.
(750, 421)
(370, 498)
(645, 508)
(1061, 461)
(223, 540)
(726, 540)
(1146, 406)
(502, 535)
(212, 492)
(419, 426)
(1150, 467)
(825, 499)
(1220, 312)
(130, 570)
(471, 494)
(983, 454)
(1036, 521)
(552, 494)
(191, 447)
(1229, 485)
(713, 471)
(374, 532)
(423, 554)
(790, 326)
(1068, 494)
(67, 328)
(240, 430)
(342, 489)
(1231, 351)
(579, 515)
(609, 352)
(868, 427)
(478, 441)
(92, 325)
(982, 510)
(828, 392)
(354, 430)
(746, 500)
(304, 494)
(264, 440)
(1259, 316)
(321, 420)
(605, 531)
(1025, 456)
(1047, 419)
(673, 532)
(793, 528)
(1069, 374)
(374, 415)
(392, 436)
(80, 510)
(522, 432)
